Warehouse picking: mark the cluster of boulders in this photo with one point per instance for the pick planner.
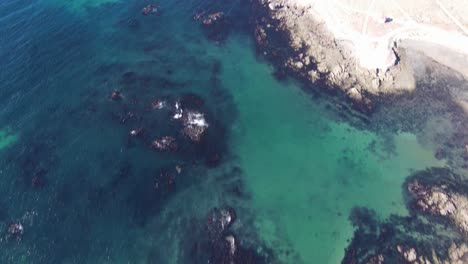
(193, 122)
(434, 232)
(222, 244)
(216, 25)
(150, 9)
(212, 18)
(441, 201)
(457, 254)
(376, 259)
(195, 125)
(15, 229)
(409, 254)
(218, 222)
(166, 143)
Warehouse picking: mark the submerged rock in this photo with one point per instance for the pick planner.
(195, 125)
(135, 132)
(116, 96)
(213, 18)
(218, 221)
(222, 245)
(150, 9)
(193, 122)
(216, 26)
(178, 112)
(158, 104)
(378, 259)
(198, 16)
(15, 229)
(166, 143)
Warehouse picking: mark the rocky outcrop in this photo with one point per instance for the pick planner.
(409, 254)
(166, 143)
(316, 55)
(434, 232)
(440, 200)
(193, 122)
(221, 245)
(458, 254)
(399, 239)
(216, 26)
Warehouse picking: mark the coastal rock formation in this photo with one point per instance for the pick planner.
(166, 143)
(325, 45)
(194, 124)
(440, 200)
(458, 254)
(217, 243)
(402, 240)
(216, 26)
(317, 54)
(434, 232)
(218, 221)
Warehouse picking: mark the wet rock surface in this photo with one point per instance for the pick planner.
(194, 125)
(435, 232)
(215, 25)
(193, 122)
(301, 47)
(150, 9)
(116, 96)
(440, 192)
(218, 243)
(458, 254)
(299, 43)
(212, 18)
(396, 240)
(409, 254)
(166, 143)
(219, 221)
(15, 229)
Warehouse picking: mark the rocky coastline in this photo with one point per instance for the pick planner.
(434, 232)
(300, 44)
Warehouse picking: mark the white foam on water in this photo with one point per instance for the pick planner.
(196, 119)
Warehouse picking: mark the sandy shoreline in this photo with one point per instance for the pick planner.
(361, 47)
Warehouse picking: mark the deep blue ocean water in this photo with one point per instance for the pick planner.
(82, 188)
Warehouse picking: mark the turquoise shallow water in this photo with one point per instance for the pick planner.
(87, 192)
